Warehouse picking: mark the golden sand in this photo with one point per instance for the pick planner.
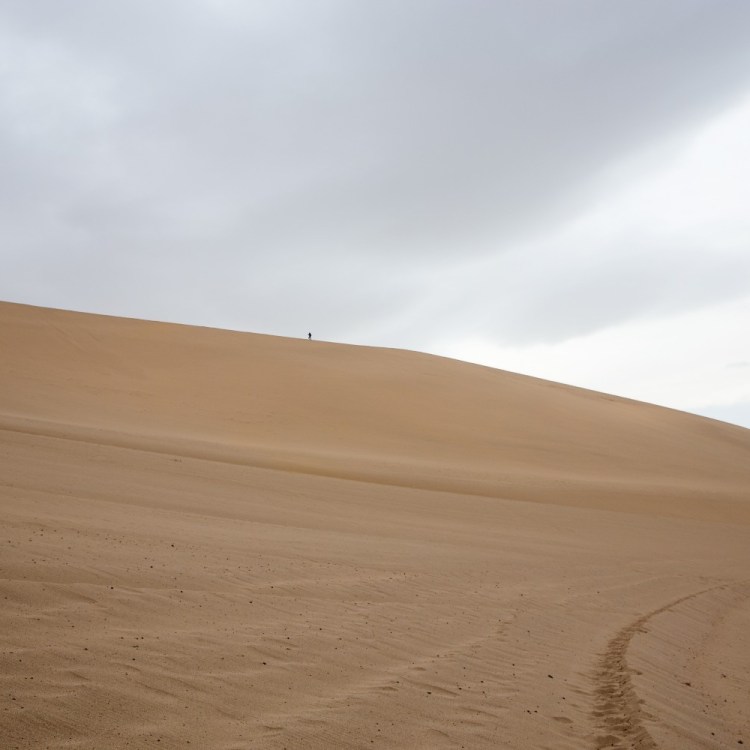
(229, 540)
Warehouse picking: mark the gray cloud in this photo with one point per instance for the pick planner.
(572, 291)
(265, 165)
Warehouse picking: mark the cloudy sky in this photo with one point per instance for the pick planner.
(555, 187)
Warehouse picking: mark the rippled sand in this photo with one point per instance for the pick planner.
(229, 540)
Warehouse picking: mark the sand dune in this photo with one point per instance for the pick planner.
(231, 540)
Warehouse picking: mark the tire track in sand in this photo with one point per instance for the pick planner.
(617, 709)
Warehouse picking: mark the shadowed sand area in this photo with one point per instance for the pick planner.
(225, 540)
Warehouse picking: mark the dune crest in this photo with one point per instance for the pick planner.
(379, 415)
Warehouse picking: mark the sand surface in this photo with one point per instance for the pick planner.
(224, 540)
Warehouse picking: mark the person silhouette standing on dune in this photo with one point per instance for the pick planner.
(309, 337)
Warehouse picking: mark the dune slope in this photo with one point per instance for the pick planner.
(234, 540)
(381, 415)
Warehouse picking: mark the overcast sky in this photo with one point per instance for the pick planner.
(554, 187)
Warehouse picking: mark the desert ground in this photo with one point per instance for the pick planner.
(214, 539)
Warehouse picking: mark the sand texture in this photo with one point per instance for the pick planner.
(212, 539)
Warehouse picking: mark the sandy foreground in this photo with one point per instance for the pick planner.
(224, 540)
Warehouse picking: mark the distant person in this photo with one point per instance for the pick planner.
(309, 336)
